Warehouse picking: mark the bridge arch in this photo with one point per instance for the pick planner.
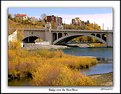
(65, 39)
(104, 37)
(93, 34)
(59, 35)
(54, 36)
(30, 39)
(66, 34)
(98, 35)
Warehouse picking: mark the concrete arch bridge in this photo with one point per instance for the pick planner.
(62, 36)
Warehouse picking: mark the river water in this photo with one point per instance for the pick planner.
(104, 53)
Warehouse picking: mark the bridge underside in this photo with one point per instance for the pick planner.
(65, 39)
(30, 39)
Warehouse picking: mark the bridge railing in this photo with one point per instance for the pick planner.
(67, 30)
(73, 30)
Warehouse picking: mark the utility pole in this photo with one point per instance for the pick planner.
(94, 25)
(64, 25)
(103, 27)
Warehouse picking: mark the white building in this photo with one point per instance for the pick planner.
(13, 37)
(60, 26)
(33, 19)
(22, 16)
(76, 21)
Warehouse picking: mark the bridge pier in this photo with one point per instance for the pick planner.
(57, 35)
(109, 40)
(48, 34)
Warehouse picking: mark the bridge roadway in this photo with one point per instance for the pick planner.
(71, 30)
(62, 30)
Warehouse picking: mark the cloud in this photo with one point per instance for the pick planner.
(100, 19)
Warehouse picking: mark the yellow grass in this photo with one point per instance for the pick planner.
(97, 45)
(49, 67)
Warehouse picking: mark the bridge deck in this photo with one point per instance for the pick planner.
(65, 30)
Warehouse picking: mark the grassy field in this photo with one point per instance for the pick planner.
(48, 68)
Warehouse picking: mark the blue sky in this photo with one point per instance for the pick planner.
(56, 11)
(100, 16)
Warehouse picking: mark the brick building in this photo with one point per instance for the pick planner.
(53, 18)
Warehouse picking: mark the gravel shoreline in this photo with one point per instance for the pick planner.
(105, 79)
(38, 46)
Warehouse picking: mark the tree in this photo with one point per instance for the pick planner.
(9, 16)
(88, 22)
(43, 16)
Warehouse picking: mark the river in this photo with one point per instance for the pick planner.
(104, 53)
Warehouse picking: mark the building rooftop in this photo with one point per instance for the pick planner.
(20, 15)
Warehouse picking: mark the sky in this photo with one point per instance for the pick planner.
(100, 16)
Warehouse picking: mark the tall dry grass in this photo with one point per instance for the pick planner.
(48, 68)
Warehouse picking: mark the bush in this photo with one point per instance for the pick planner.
(53, 75)
(14, 45)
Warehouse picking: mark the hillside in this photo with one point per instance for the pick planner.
(14, 24)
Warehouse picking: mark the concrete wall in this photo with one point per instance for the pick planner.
(37, 33)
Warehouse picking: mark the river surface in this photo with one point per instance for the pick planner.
(105, 53)
(97, 52)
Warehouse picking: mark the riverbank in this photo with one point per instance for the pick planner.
(39, 46)
(34, 46)
(105, 79)
(88, 45)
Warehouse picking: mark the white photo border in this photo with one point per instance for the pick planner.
(116, 48)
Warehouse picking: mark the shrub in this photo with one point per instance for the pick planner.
(53, 75)
(14, 45)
